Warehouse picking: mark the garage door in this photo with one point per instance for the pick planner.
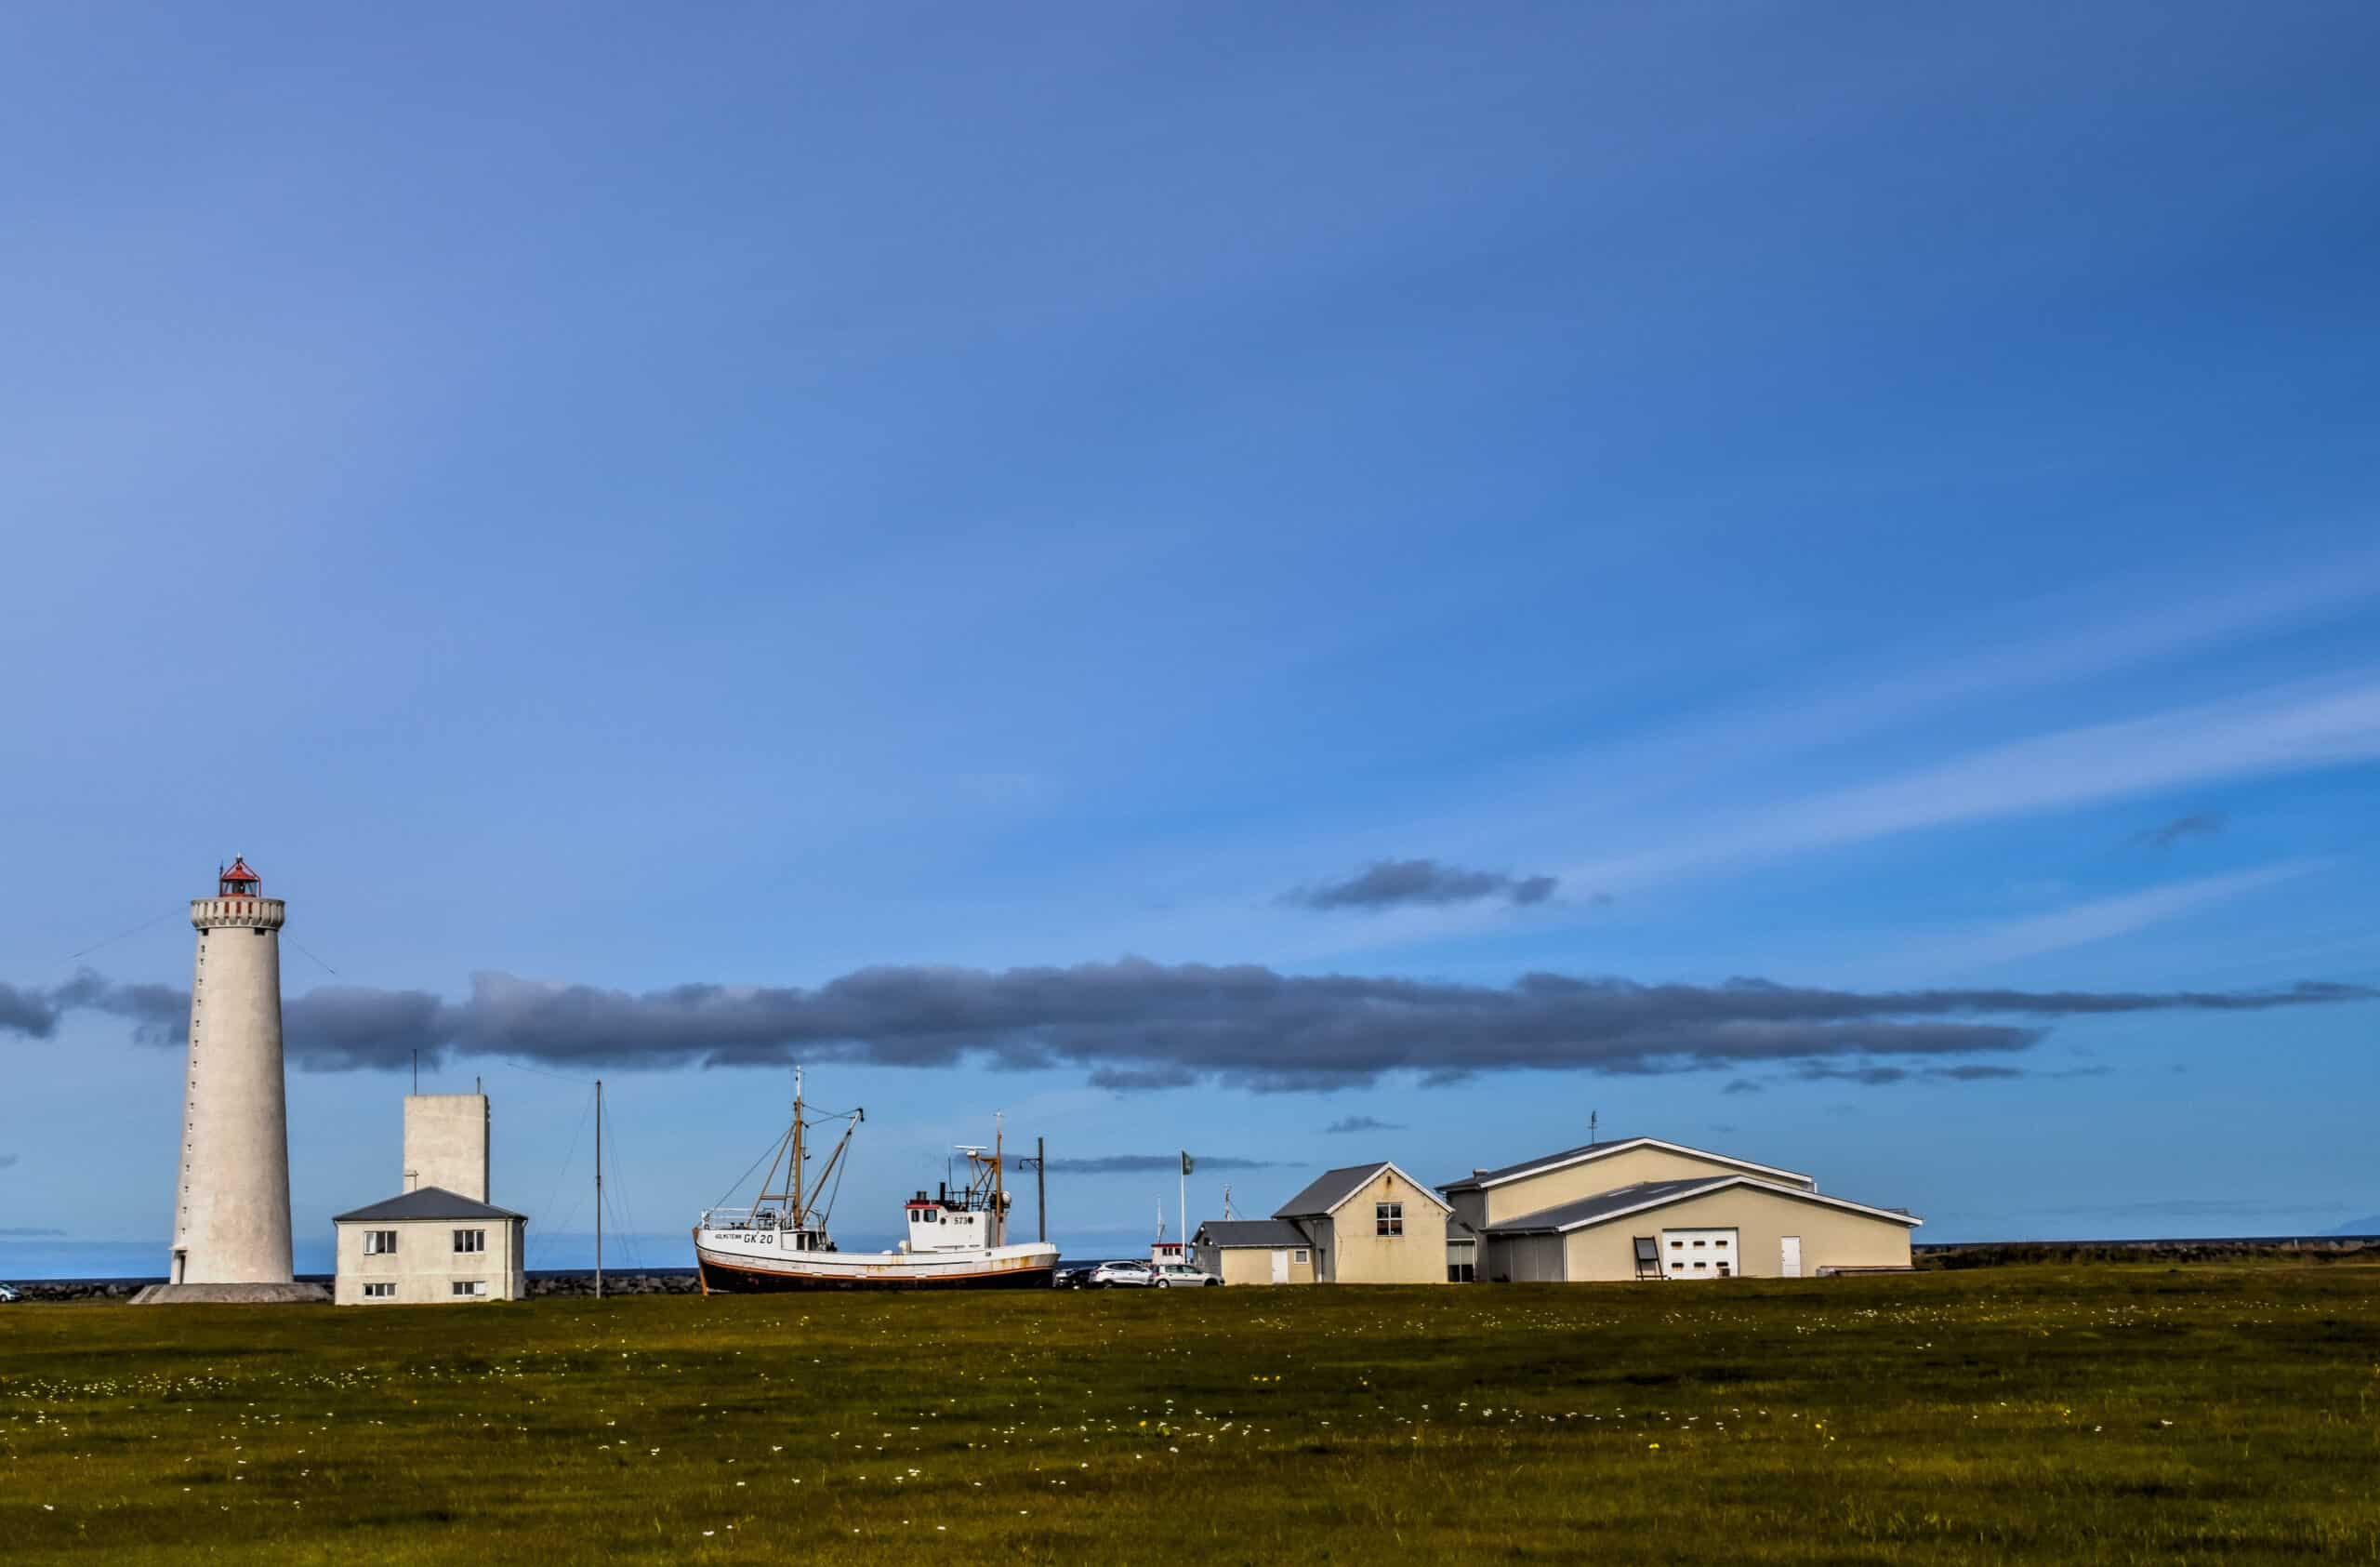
(1700, 1254)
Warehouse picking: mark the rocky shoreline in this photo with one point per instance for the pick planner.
(569, 1283)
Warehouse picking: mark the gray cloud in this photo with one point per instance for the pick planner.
(2198, 824)
(7, 1161)
(1742, 1085)
(29, 1231)
(1964, 1072)
(1153, 1163)
(1362, 1123)
(1134, 1024)
(1392, 883)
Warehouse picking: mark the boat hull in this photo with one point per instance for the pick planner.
(725, 1272)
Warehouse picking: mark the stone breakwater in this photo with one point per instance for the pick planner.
(674, 1281)
(567, 1284)
(2008, 1253)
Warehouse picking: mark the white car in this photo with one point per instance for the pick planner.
(6, 1294)
(1178, 1276)
(1110, 1275)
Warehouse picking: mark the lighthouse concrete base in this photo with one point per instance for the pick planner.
(232, 1295)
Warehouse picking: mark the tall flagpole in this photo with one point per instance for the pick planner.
(599, 1189)
(1185, 1205)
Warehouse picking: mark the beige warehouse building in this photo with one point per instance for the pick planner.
(1644, 1208)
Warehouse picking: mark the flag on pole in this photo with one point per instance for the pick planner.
(1186, 1162)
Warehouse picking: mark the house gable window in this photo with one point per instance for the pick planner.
(1388, 1218)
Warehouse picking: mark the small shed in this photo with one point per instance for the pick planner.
(1254, 1252)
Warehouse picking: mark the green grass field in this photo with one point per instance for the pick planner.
(2109, 1415)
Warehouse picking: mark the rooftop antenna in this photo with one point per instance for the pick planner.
(1227, 1214)
(1592, 1117)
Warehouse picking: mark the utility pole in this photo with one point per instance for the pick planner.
(599, 1189)
(1186, 1204)
(1041, 1191)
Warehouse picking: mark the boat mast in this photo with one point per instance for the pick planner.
(797, 1154)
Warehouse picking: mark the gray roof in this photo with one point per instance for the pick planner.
(1251, 1232)
(1334, 1187)
(429, 1202)
(1596, 1149)
(1329, 1188)
(1586, 1210)
(1655, 1194)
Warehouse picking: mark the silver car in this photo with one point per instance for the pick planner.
(1181, 1276)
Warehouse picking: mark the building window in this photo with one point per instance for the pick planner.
(1388, 1218)
(470, 1286)
(379, 1242)
(1461, 1272)
(470, 1241)
(1298, 1256)
(380, 1291)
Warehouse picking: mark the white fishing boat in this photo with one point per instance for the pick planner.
(956, 1238)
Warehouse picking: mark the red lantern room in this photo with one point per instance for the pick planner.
(239, 881)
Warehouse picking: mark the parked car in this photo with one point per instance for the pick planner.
(1113, 1275)
(1178, 1275)
(1075, 1278)
(6, 1294)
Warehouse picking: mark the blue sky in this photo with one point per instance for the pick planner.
(593, 498)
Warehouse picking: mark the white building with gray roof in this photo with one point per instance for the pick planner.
(435, 1242)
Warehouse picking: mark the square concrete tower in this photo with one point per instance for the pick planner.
(446, 1142)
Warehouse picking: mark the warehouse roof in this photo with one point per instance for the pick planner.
(1334, 1187)
(429, 1202)
(1228, 1233)
(1606, 1206)
(1480, 1178)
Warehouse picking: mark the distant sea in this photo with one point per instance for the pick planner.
(37, 1256)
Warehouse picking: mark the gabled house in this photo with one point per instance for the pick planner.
(1360, 1224)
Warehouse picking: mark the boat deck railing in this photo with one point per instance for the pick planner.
(766, 1220)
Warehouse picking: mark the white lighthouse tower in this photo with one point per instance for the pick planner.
(231, 1202)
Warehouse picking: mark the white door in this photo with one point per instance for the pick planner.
(1280, 1268)
(1700, 1254)
(1789, 1266)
